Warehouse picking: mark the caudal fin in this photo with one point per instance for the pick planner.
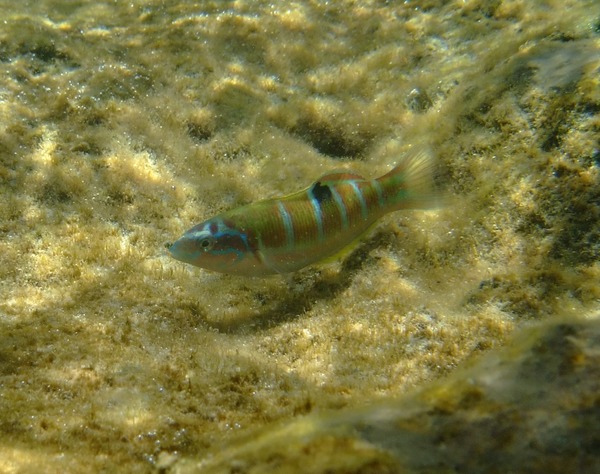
(410, 184)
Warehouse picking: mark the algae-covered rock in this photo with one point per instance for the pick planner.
(533, 406)
(124, 123)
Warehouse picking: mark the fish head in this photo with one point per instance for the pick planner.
(215, 244)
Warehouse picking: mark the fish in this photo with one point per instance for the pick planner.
(285, 234)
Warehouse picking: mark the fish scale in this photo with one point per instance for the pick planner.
(285, 234)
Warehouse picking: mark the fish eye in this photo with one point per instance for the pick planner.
(206, 243)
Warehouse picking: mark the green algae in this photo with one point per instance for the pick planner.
(511, 410)
(123, 124)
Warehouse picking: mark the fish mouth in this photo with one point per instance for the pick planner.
(182, 250)
(172, 247)
(174, 250)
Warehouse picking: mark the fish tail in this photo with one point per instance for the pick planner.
(410, 184)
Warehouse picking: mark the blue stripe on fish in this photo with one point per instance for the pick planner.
(341, 206)
(317, 211)
(287, 225)
(225, 233)
(364, 210)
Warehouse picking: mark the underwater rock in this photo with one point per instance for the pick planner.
(533, 406)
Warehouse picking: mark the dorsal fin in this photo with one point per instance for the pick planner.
(339, 176)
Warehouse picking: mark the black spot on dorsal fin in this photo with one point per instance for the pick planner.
(321, 192)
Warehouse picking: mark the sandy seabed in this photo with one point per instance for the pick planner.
(123, 124)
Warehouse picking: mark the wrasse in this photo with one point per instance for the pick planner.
(285, 234)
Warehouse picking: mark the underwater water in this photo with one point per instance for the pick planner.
(122, 124)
